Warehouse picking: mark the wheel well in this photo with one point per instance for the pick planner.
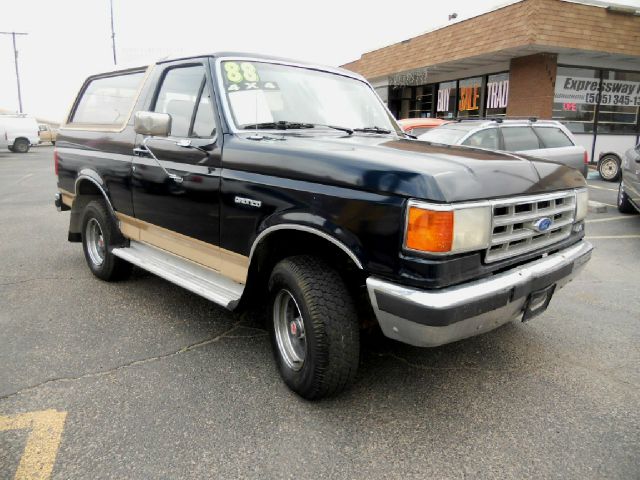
(86, 191)
(607, 154)
(288, 243)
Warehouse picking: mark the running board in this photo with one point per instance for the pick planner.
(189, 275)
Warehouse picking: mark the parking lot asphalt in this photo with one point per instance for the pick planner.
(142, 379)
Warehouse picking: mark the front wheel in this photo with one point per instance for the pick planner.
(99, 235)
(314, 327)
(609, 168)
(21, 145)
(624, 204)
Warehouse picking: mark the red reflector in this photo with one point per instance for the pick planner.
(586, 157)
(55, 161)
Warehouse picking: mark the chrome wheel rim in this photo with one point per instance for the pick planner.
(289, 330)
(95, 242)
(608, 168)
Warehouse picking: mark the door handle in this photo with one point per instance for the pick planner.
(141, 152)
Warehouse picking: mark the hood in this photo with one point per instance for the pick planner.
(389, 165)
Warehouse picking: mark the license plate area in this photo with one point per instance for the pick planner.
(538, 302)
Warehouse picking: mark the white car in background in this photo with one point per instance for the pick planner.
(21, 131)
(545, 139)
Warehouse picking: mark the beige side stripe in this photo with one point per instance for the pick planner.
(226, 262)
(67, 197)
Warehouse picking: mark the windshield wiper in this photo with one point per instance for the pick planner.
(285, 125)
(373, 129)
(280, 125)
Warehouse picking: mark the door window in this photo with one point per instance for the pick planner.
(185, 95)
(519, 138)
(487, 138)
(553, 137)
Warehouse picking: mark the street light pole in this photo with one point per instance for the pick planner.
(15, 58)
(113, 34)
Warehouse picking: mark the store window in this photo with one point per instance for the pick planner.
(497, 95)
(470, 97)
(575, 98)
(422, 106)
(619, 102)
(446, 106)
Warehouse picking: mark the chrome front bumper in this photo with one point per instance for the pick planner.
(428, 318)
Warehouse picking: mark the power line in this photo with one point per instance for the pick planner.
(15, 57)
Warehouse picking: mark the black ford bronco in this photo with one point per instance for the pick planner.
(246, 178)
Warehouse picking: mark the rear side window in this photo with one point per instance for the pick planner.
(487, 138)
(184, 94)
(519, 138)
(553, 137)
(108, 100)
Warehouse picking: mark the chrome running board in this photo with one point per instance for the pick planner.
(200, 280)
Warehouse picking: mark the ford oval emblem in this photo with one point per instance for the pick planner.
(542, 224)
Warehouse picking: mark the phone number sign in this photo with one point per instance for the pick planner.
(584, 90)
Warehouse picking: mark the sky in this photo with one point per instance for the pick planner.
(71, 39)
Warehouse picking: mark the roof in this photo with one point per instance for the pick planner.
(421, 122)
(515, 30)
(255, 56)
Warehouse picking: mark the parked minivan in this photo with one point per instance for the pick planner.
(544, 139)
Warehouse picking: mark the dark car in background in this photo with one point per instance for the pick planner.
(629, 190)
(545, 139)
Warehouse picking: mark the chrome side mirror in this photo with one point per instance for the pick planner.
(152, 124)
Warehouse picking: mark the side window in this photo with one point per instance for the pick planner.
(204, 125)
(108, 100)
(553, 137)
(519, 138)
(487, 138)
(185, 95)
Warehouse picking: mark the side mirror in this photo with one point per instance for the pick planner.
(152, 124)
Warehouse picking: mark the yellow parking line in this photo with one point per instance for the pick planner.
(603, 188)
(612, 237)
(40, 452)
(609, 219)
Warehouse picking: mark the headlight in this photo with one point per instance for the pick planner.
(582, 204)
(433, 228)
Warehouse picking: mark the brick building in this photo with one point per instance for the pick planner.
(574, 61)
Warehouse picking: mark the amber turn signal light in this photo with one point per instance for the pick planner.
(429, 230)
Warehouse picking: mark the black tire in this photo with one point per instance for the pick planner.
(11, 149)
(53, 143)
(21, 145)
(111, 268)
(624, 204)
(330, 327)
(609, 168)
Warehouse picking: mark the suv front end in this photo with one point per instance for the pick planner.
(501, 229)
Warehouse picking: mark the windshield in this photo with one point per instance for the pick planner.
(259, 94)
(449, 135)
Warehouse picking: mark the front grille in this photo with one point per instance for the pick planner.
(512, 224)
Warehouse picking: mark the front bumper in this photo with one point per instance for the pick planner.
(428, 318)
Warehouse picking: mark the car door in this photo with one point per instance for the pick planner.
(558, 147)
(485, 138)
(183, 215)
(631, 174)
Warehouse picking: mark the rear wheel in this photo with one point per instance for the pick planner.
(21, 145)
(314, 327)
(609, 168)
(624, 204)
(99, 235)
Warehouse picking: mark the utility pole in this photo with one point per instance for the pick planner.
(113, 34)
(15, 57)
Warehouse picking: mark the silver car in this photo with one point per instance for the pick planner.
(544, 139)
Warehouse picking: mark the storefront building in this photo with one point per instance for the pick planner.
(573, 61)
